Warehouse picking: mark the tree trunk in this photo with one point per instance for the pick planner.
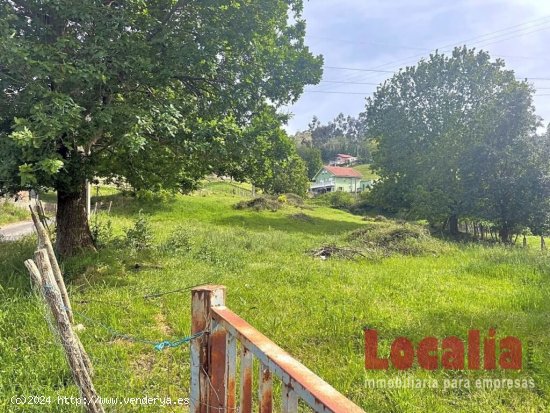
(504, 234)
(73, 231)
(524, 241)
(542, 243)
(453, 225)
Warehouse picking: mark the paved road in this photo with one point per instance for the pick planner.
(16, 231)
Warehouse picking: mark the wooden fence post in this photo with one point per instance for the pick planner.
(43, 277)
(208, 358)
(45, 242)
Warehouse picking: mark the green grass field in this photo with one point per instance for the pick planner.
(10, 213)
(366, 171)
(315, 309)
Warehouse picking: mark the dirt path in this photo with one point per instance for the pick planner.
(13, 232)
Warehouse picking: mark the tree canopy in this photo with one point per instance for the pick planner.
(344, 134)
(156, 92)
(456, 137)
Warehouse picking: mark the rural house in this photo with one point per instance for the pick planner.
(336, 178)
(343, 159)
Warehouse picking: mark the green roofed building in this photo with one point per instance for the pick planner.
(336, 178)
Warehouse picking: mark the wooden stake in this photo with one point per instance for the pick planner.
(70, 342)
(45, 242)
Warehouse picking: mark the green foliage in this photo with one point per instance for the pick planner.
(312, 158)
(342, 135)
(159, 93)
(272, 162)
(339, 200)
(140, 236)
(288, 176)
(10, 213)
(102, 230)
(456, 136)
(159, 195)
(180, 242)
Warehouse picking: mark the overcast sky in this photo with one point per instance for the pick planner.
(388, 34)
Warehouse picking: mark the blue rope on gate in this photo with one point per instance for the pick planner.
(157, 345)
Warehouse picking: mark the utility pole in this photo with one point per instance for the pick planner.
(88, 198)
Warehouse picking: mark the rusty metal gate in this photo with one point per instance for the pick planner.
(214, 365)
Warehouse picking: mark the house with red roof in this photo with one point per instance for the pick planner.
(336, 178)
(343, 159)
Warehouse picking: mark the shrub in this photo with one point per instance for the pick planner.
(179, 242)
(102, 231)
(140, 236)
(338, 200)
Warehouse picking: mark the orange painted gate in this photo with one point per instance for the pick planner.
(214, 365)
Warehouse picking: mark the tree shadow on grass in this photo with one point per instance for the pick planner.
(264, 221)
(13, 275)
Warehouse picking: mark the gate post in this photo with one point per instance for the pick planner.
(207, 351)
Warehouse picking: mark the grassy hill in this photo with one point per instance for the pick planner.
(366, 171)
(316, 309)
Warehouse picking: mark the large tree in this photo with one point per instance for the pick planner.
(445, 131)
(273, 163)
(150, 91)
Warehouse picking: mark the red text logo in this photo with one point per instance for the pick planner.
(454, 355)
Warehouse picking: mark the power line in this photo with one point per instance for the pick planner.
(359, 70)
(483, 36)
(512, 37)
(365, 93)
(339, 93)
(380, 83)
(350, 83)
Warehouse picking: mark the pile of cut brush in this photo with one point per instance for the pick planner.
(261, 203)
(384, 238)
(328, 251)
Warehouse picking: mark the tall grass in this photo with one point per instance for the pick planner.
(10, 213)
(315, 309)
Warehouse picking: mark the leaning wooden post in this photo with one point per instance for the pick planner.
(207, 360)
(70, 342)
(44, 242)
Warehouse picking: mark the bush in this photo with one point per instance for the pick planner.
(159, 196)
(140, 236)
(179, 242)
(338, 200)
(102, 231)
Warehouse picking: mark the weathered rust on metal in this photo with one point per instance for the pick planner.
(314, 391)
(266, 390)
(230, 372)
(218, 346)
(203, 299)
(246, 381)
